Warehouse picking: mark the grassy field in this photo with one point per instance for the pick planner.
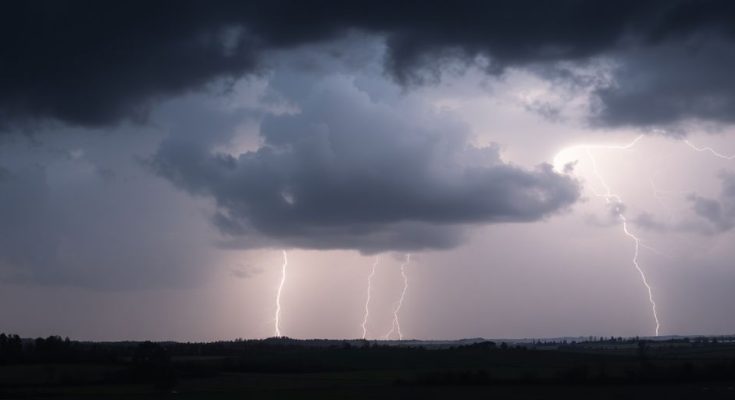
(367, 386)
(288, 369)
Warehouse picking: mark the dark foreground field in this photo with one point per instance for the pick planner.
(680, 368)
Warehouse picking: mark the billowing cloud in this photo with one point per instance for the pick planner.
(347, 171)
(168, 137)
(671, 83)
(94, 64)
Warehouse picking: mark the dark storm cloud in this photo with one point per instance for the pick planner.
(94, 63)
(91, 64)
(670, 83)
(349, 172)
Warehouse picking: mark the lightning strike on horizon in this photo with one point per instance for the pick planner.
(616, 203)
(396, 324)
(278, 295)
(618, 209)
(367, 300)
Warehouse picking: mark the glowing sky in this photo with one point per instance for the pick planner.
(154, 192)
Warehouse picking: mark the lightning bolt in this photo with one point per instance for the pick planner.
(703, 149)
(557, 159)
(396, 325)
(615, 202)
(278, 295)
(367, 300)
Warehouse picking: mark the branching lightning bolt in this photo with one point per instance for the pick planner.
(710, 150)
(367, 300)
(278, 295)
(396, 325)
(616, 203)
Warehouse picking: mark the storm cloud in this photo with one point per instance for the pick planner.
(94, 64)
(349, 172)
(154, 155)
(77, 211)
(670, 83)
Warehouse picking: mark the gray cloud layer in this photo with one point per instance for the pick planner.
(93, 64)
(710, 215)
(672, 82)
(720, 213)
(66, 222)
(344, 169)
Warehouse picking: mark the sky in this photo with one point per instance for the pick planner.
(510, 169)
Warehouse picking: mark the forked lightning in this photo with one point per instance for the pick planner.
(615, 202)
(278, 295)
(367, 300)
(396, 325)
